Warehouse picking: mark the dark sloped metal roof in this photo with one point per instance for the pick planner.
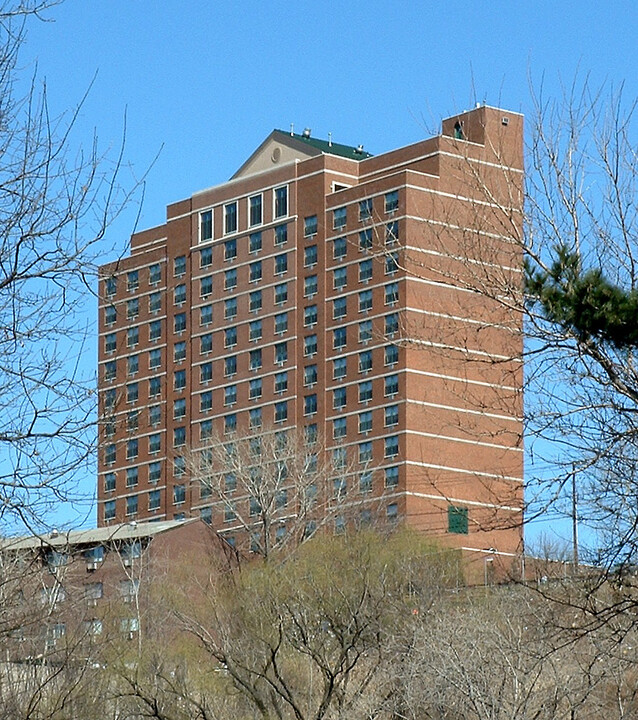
(329, 147)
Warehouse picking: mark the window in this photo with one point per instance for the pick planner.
(180, 322)
(365, 301)
(391, 446)
(392, 294)
(392, 233)
(392, 201)
(109, 482)
(339, 458)
(230, 395)
(110, 399)
(132, 449)
(392, 512)
(132, 392)
(206, 225)
(365, 421)
(155, 274)
(310, 375)
(179, 466)
(339, 248)
(339, 278)
(110, 314)
(281, 202)
(365, 331)
(339, 218)
(310, 345)
(391, 415)
(180, 294)
(132, 337)
(205, 315)
(154, 500)
(310, 286)
(365, 361)
(179, 351)
(339, 398)
(310, 404)
(281, 323)
(230, 279)
(339, 428)
(281, 411)
(365, 239)
(281, 293)
(365, 482)
(339, 308)
(339, 490)
(229, 512)
(365, 391)
(339, 338)
(230, 308)
(109, 428)
(109, 454)
(281, 499)
(392, 324)
(179, 266)
(154, 358)
(281, 382)
(391, 476)
(365, 209)
(154, 443)
(230, 249)
(391, 385)
(206, 401)
(230, 365)
(131, 477)
(457, 520)
(254, 417)
(254, 301)
(206, 286)
(154, 386)
(310, 434)
(110, 342)
(205, 372)
(179, 436)
(179, 494)
(230, 423)
(365, 452)
(110, 370)
(391, 263)
(281, 264)
(154, 471)
(132, 420)
(339, 368)
(310, 256)
(255, 388)
(281, 352)
(365, 270)
(206, 257)
(255, 330)
(154, 330)
(132, 280)
(254, 360)
(109, 509)
(154, 415)
(179, 408)
(310, 226)
(230, 218)
(255, 214)
(206, 344)
(391, 355)
(230, 337)
(131, 505)
(206, 515)
(132, 308)
(255, 271)
(254, 242)
(179, 377)
(281, 234)
(155, 302)
(111, 286)
(310, 316)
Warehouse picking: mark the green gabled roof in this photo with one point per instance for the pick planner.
(330, 148)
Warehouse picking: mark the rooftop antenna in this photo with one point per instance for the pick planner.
(292, 128)
(306, 132)
(329, 139)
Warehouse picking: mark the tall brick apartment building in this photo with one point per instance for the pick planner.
(353, 299)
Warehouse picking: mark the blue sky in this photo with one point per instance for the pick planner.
(203, 83)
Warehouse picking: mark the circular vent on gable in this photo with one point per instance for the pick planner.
(276, 155)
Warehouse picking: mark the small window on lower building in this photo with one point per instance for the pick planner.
(131, 505)
(179, 494)
(391, 476)
(392, 512)
(109, 509)
(457, 520)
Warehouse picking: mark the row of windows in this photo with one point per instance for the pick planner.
(340, 244)
(366, 206)
(133, 279)
(255, 213)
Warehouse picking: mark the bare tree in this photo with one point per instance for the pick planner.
(55, 204)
